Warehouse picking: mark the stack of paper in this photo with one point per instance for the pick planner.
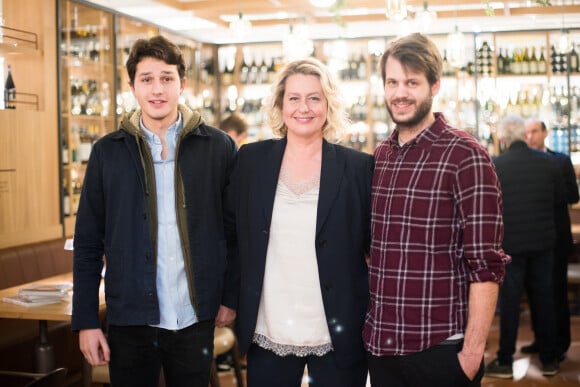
(41, 294)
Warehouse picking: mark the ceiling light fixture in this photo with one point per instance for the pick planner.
(456, 48)
(564, 43)
(240, 27)
(322, 3)
(396, 9)
(404, 27)
(425, 18)
(297, 44)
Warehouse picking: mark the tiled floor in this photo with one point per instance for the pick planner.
(526, 368)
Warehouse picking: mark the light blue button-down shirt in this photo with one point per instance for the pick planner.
(172, 289)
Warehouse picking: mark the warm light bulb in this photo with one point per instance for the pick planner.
(396, 9)
(297, 44)
(564, 45)
(240, 27)
(424, 18)
(456, 48)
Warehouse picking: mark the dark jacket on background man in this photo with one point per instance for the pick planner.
(117, 217)
(532, 191)
(342, 237)
(565, 242)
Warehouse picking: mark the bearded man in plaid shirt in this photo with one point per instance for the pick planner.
(436, 258)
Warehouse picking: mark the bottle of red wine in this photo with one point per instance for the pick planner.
(9, 90)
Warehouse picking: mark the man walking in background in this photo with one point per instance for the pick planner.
(536, 133)
(532, 190)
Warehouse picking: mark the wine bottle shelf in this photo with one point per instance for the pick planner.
(15, 39)
(28, 100)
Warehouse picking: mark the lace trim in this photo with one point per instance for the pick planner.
(286, 349)
(299, 187)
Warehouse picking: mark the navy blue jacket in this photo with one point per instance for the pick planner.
(532, 191)
(117, 218)
(342, 237)
(565, 241)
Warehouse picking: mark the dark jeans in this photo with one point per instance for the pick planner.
(138, 353)
(266, 369)
(533, 271)
(561, 303)
(437, 366)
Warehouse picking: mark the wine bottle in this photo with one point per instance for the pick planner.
(253, 74)
(525, 62)
(263, 74)
(542, 68)
(533, 61)
(574, 65)
(516, 65)
(9, 90)
(445, 69)
(500, 63)
(555, 59)
(362, 67)
(64, 151)
(244, 71)
(65, 199)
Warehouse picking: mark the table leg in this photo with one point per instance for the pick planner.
(44, 350)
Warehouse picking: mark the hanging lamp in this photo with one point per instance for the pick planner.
(240, 27)
(396, 9)
(456, 48)
(425, 18)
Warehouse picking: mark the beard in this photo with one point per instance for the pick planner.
(423, 109)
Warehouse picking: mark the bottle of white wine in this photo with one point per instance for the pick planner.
(9, 90)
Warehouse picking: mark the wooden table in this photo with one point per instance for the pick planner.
(61, 311)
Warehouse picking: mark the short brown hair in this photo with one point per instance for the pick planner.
(157, 47)
(235, 123)
(416, 52)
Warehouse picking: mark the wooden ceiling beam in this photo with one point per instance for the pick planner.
(212, 10)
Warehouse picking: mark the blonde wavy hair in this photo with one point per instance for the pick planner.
(337, 119)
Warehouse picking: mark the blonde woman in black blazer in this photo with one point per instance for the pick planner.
(300, 207)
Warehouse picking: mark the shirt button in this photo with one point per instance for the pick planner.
(389, 341)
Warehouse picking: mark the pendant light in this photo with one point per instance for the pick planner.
(425, 18)
(240, 27)
(297, 44)
(456, 48)
(564, 42)
(396, 9)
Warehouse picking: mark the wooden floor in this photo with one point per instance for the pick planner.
(526, 368)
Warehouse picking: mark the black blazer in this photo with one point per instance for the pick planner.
(342, 237)
(564, 239)
(532, 191)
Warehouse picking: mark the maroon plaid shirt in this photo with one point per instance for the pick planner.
(436, 227)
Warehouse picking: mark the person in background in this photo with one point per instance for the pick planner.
(532, 190)
(301, 205)
(236, 128)
(152, 204)
(536, 133)
(436, 260)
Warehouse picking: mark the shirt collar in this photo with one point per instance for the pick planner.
(174, 129)
(426, 137)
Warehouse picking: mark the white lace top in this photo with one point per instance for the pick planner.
(291, 319)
